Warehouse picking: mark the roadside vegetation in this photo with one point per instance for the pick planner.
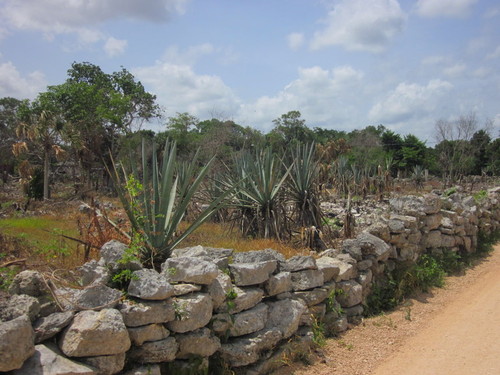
(212, 182)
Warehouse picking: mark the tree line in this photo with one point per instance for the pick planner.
(95, 118)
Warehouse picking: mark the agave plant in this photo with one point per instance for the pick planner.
(303, 186)
(156, 200)
(259, 196)
(418, 176)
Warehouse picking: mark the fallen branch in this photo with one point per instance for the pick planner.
(13, 262)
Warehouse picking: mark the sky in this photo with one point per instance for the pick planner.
(344, 64)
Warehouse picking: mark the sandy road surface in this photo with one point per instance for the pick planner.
(453, 330)
(462, 338)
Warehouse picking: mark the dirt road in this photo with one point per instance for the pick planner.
(454, 330)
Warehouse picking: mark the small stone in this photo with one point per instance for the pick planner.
(192, 312)
(189, 270)
(19, 305)
(155, 351)
(150, 332)
(137, 314)
(17, 343)
(149, 285)
(200, 343)
(49, 326)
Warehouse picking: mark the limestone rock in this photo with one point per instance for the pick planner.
(329, 266)
(29, 283)
(285, 316)
(154, 351)
(246, 350)
(249, 321)
(150, 332)
(279, 283)
(246, 298)
(300, 263)
(352, 247)
(49, 326)
(312, 297)
(181, 289)
(92, 273)
(371, 245)
(307, 279)
(189, 270)
(352, 293)
(106, 364)
(95, 333)
(113, 252)
(137, 314)
(144, 370)
(16, 342)
(149, 285)
(48, 360)
(256, 256)
(219, 288)
(380, 229)
(246, 274)
(197, 343)
(94, 297)
(194, 251)
(19, 305)
(192, 312)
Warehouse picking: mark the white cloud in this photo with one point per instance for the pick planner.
(409, 100)
(189, 56)
(295, 41)
(481, 72)
(53, 17)
(13, 84)
(365, 25)
(445, 8)
(115, 47)
(434, 60)
(324, 97)
(454, 70)
(180, 89)
(495, 54)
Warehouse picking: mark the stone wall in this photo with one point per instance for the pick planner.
(247, 309)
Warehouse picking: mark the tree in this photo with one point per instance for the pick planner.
(413, 152)
(453, 148)
(479, 145)
(289, 130)
(8, 123)
(99, 108)
(41, 125)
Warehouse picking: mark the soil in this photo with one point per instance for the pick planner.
(451, 330)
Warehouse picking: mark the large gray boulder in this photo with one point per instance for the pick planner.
(137, 314)
(19, 305)
(307, 279)
(245, 350)
(106, 364)
(93, 272)
(114, 255)
(329, 266)
(300, 263)
(189, 270)
(285, 316)
(200, 343)
(154, 351)
(95, 333)
(249, 321)
(246, 274)
(371, 245)
(28, 282)
(150, 332)
(17, 342)
(246, 298)
(48, 360)
(279, 283)
(150, 285)
(51, 325)
(192, 311)
(94, 297)
(219, 288)
(352, 293)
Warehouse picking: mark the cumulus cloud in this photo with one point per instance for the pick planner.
(365, 25)
(53, 17)
(14, 84)
(324, 97)
(445, 8)
(115, 47)
(180, 89)
(495, 54)
(295, 40)
(409, 100)
(454, 70)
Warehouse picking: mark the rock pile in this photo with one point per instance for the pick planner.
(205, 302)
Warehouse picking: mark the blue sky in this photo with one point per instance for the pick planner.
(344, 64)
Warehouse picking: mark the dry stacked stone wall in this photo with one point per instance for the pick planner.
(246, 309)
